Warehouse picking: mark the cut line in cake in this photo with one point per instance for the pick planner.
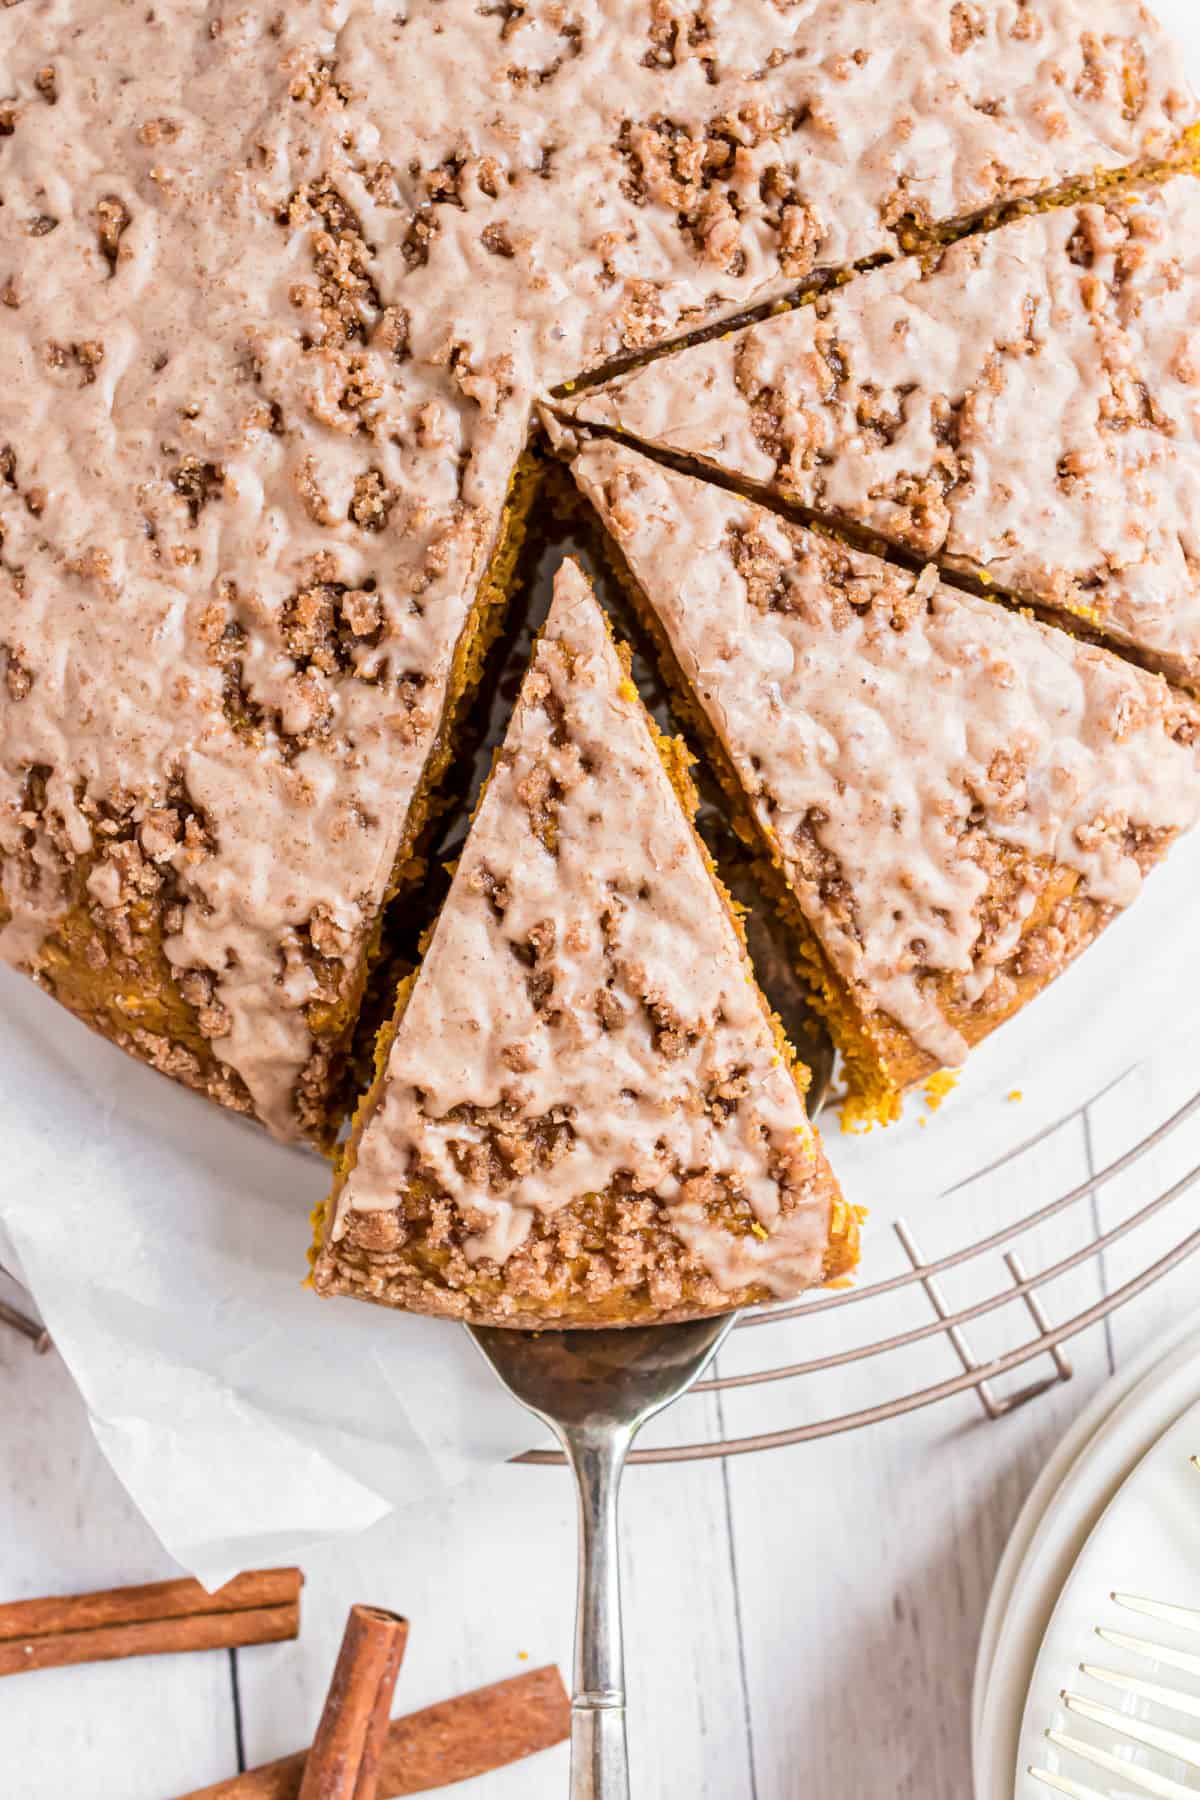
(255, 533)
(952, 798)
(1022, 408)
(584, 1113)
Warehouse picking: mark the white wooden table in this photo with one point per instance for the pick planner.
(799, 1623)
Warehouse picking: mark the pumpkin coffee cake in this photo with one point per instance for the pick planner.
(584, 1112)
(1023, 406)
(279, 285)
(957, 798)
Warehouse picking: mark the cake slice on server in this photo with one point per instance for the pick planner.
(585, 1113)
(1023, 406)
(955, 798)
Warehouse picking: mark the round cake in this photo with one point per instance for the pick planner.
(294, 301)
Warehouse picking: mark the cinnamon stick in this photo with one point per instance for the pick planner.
(343, 1763)
(160, 1618)
(37, 1334)
(472, 1734)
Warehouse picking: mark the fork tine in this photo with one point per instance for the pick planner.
(1150, 1737)
(1183, 1660)
(1062, 1784)
(1160, 1786)
(1174, 1698)
(1183, 1616)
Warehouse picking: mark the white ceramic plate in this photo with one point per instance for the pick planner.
(1059, 1518)
(1148, 1544)
(1088, 1426)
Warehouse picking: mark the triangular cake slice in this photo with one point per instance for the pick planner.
(1025, 406)
(586, 1114)
(955, 797)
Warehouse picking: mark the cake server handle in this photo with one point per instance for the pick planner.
(599, 1757)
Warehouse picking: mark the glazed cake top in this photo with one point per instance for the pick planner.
(584, 1022)
(891, 733)
(277, 285)
(1028, 403)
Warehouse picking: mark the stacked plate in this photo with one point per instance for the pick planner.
(1106, 1514)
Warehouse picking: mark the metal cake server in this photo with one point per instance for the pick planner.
(596, 1389)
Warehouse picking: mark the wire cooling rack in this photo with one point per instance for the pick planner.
(995, 1263)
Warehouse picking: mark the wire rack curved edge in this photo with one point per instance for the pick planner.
(925, 1276)
(1045, 1339)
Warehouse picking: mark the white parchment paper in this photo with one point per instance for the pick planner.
(164, 1242)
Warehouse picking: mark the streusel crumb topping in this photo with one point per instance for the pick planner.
(925, 763)
(585, 1104)
(277, 285)
(1025, 404)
